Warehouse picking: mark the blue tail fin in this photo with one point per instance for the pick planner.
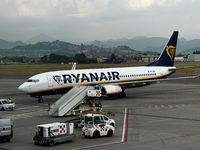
(167, 56)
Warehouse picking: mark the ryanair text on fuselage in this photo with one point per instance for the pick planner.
(79, 78)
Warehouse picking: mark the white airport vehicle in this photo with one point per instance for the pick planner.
(79, 122)
(6, 128)
(95, 126)
(113, 81)
(109, 121)
(54, 133)
(80, 113)
(6, 105)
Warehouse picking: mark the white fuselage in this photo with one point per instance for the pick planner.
(48, 82)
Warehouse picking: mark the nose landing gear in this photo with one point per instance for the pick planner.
(40, 100)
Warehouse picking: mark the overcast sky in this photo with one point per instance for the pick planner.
(88, 20)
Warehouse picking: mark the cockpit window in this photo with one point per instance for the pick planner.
(33, 80)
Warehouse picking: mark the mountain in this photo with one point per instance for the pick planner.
(137, 43)
(63, 48)
(154, 44)
(40, 38)
(192, 36)
(118, 40)
(190, 51)
(8, 44)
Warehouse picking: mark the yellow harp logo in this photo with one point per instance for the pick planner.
(170, 51)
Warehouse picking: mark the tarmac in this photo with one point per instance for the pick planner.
(158, 116)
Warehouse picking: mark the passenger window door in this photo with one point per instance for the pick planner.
(96, 120)
(106, 119)
(102, 120)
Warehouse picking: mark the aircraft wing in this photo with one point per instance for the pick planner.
(151, 81)
(185, 67)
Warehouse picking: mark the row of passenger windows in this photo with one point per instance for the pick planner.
(137, 75)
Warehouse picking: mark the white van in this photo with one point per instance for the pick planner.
(6, 129)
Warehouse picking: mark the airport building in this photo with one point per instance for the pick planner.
(149, 58)
(194, 57)
(179, 58)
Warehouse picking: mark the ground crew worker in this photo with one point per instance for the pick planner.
(9, 100)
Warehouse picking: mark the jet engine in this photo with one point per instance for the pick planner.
(111, 90)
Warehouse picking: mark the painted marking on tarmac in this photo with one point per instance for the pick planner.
(105, 105)
(29, 114)
(170, 105)
(124, 133)
(26, 107)
(182, 104)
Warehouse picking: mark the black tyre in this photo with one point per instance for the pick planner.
(122, 95)
(7, 140)
(51, 143)
(40, 100)
(36, 143)
(96, 134)
(110, 133)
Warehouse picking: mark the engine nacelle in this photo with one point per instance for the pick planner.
(111, 90)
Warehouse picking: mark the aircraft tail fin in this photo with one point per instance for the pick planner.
(167, 56)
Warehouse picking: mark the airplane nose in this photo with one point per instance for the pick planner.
(23, 87)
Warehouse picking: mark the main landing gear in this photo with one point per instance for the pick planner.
(122, 95)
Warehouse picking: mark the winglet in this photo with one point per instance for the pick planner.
(74, 66)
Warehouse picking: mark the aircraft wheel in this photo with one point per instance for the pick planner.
(40, 100)
(122, 95)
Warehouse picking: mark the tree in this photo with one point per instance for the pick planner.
(44, 59)
(80, 58)
(112, 58)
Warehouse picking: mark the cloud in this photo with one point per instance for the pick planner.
(139, 4)
(96, 19)
(41, 8)
(145, 4)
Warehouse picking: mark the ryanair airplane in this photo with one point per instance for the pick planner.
(113, 81)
